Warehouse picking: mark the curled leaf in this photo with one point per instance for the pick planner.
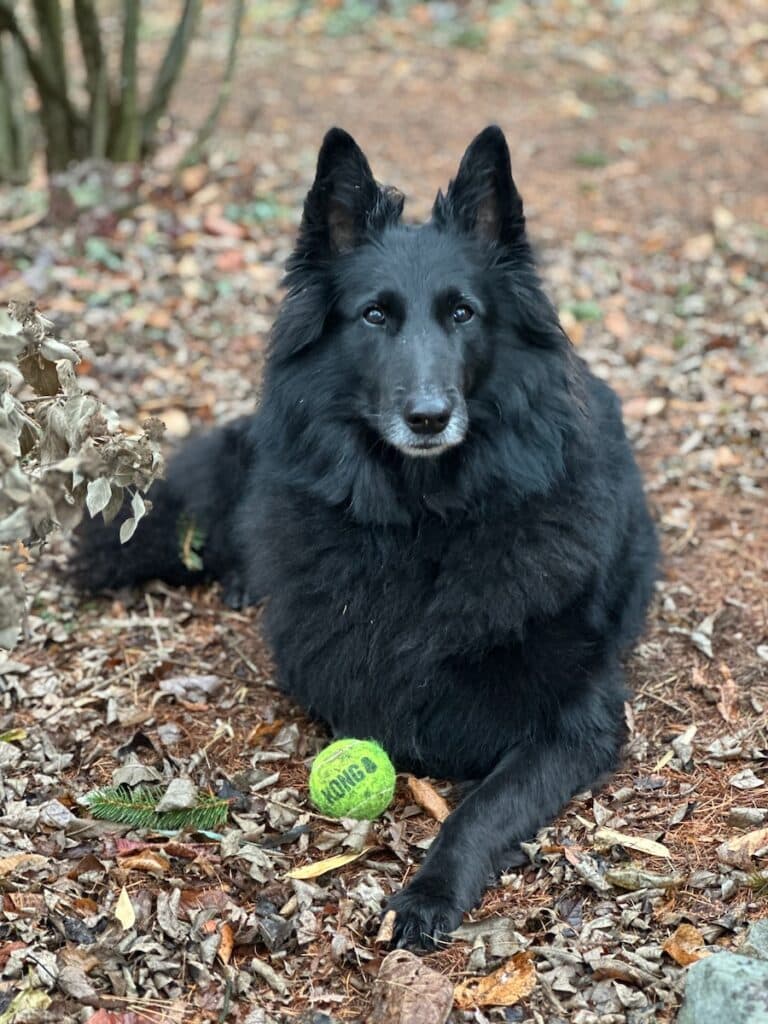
(505, 987)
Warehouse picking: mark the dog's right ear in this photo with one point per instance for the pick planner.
(339, 205)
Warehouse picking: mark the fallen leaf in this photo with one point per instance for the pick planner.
(29, 1004)
(13, 735)
(685, 945)
(147, 860)
(321, 867)
(745, 779)
(739, 851)
(505, 987)
(751, 386)
(20, 860)
(728, 705)
(610, 837)
(617, 323)
(193, 178)
(227, 943)
(427, 797)
(408, 991)
(632, 878)
(124, 911)
(699, 248)
(215, 224)
(587, 868)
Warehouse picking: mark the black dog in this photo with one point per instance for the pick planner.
(437, 501)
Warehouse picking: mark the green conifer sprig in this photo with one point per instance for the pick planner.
(136, 807)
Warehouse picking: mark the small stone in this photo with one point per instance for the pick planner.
(726, 987)
(756, 941)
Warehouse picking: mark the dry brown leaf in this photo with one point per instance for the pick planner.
(427, 797)
(685, 945)
(699, 248)
(146, 860)
(610, 837)
(408, 991)
(505, 987)
(227, 943)
(20, 860)
(728, 705)
(751, 386)
(738, 852)
(617, 323)
(321, 867)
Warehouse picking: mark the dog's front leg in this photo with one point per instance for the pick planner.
(481, 837)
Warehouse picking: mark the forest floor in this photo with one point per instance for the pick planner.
(638, 139)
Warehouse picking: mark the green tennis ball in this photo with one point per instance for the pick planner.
(352, 779)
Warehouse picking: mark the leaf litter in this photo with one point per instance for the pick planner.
(657, 280)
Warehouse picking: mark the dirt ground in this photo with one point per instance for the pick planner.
(639, 141)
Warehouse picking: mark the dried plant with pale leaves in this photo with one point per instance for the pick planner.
(61, 452)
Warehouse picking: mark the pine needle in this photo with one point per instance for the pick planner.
(136, 807)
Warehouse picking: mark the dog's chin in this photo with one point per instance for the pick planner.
(424, 451)
(416, 447)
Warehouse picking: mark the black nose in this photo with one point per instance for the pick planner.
(427, 414)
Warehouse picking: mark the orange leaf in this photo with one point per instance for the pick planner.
(146, 860)
(505, 987)
(427, 797)
(685, 945)
(227, 943)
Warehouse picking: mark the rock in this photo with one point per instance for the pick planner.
(726, 987)
(407, 991)
(756, 940)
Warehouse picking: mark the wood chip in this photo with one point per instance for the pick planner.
(427, 797)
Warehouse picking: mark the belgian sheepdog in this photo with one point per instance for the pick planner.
(436, 502)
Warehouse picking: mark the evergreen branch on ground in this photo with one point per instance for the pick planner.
(136, 807)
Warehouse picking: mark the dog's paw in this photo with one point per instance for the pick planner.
(424, 917)
(235, 591)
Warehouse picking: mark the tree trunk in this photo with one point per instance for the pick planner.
(126, 144)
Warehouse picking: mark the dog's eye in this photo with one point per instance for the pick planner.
(462, 313)
(374, 315)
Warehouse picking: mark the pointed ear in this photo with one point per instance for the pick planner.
(482, 199)
(341, 200)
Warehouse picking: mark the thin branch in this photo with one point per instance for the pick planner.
(89, 34)
(169, 71)
(225, 88)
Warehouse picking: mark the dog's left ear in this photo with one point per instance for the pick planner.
(483, 200)
(342, 198)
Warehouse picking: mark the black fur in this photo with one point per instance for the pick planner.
(466, 606)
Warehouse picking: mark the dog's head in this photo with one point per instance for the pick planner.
(417, 365)
(409, 315)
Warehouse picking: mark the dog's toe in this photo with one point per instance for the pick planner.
(423, 920)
